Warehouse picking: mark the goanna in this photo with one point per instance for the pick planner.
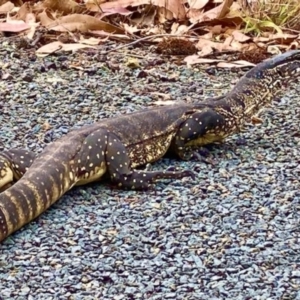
(116, 146)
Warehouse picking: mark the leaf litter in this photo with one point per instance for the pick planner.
(197, 30)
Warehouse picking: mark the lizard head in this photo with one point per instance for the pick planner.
(284, 67)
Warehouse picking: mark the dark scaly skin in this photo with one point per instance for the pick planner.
(217, 118)
(117, 146)
(13, 165)
(114, 146)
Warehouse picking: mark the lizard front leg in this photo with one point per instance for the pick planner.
(13, 165)
(201, 128)
(109, 155)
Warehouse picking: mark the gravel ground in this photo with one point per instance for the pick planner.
(233, 233)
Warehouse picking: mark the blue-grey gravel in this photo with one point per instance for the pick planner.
(233, 233)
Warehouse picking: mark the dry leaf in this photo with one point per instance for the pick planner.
(195, 59)
(218, 12)
(130, 29)
(59, 46)
(23, 11)
(107, 34)
(64, 6)
(240, 37)
(146, 18)
(194, 15)
(217, 29)
(197, 4)
(175, 6)
(179, 29)
(204, 44)
(115, 10)
(282, 38)
(206, 50)
(6, 7)
(46, 18)
(164, 15)
(227, 43)
(235, 64)
(82, 23)
(14, 26)
(92, 41)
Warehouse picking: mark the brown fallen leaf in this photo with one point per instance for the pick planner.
(14, 26)
(163, 14)
(59, 46)
(195, 59)
(146, 17)
(107, 34)
(204, 44)
(218, 12)
(23, 11)
(240, 37)
(65, 7)
(82, 23)
(197, 4)
(194, 15)
(130, 29)
(217, 29)
(281, 38)
(45, 18)
(178, 29)
(235, 64)
(6, 7)
(175, 6)
(113, 11)
(91, 41)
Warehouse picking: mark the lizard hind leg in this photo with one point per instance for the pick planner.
(118, 164)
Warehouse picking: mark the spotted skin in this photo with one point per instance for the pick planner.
(118, 165)
(13, 165)
(217, 118)
(88, 154)
(199, 129)
(116, 147)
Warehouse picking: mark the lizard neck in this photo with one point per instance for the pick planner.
(252, 94)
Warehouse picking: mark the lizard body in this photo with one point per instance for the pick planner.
(116, 146)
